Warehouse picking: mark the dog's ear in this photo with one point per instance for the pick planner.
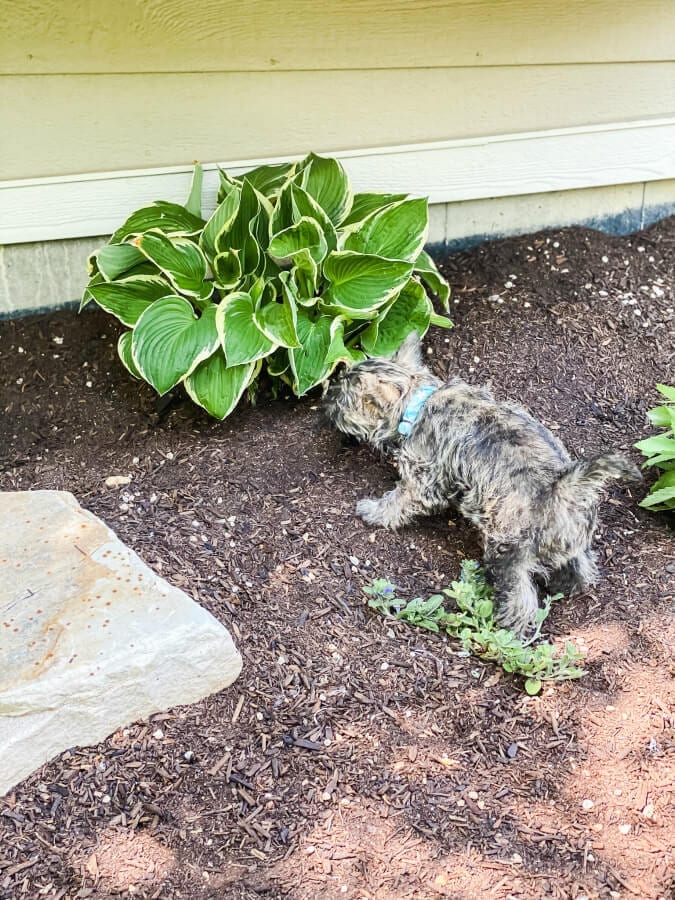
(379, 394)
(409, 354)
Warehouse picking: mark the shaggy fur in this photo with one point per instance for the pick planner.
(500, 467)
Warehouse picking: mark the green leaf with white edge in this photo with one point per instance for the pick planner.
(322, 348)
(360, 284)
(227, 270)
(124, 353)
(182, 262)
(662, 416)
(114, 260)
(96, 278)
(365, 204)
(169, 341)
(278, 363)
(269, 179)
(128, 298)
(426, 268)
(656, 444)
(169, 218)
(305, 235)
(326, 181)
(667, 391)
(283, 215)
(409, 312)
(194, 201)
(440, 321)
(241, 338)
(398, 231)
(227, 183)
(217, 387)
(278, 321)
(305, 205)
(240, 231)
(220, 223)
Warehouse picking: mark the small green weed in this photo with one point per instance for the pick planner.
(660, 451)
(473, 624)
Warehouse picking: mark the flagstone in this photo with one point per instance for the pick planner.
(91, 639)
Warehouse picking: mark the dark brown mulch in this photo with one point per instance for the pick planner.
(356, 757)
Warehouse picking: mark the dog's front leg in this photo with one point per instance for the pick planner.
(395, 509)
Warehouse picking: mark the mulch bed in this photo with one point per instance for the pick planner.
(356, 757)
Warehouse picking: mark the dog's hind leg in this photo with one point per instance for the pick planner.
(509, 568)
(575, 576)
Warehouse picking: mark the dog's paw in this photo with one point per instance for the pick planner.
(519, 620)
(370, 511)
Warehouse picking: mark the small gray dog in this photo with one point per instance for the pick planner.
(456, 446)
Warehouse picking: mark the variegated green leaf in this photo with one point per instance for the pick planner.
(128, 298)
(326, 181)
(227, 270)
(269, 179)
(241, 338)
(425, 267)
(217, 387)
(124, 353)
(306, 206)
(114, 260)
(365, 204)
(169, 341)
(360, 284)
(278, 321)
(169, 218)
(410, 311)
(305, 235)
(396, 232)
(194, 201)
(180, 260)
(216, 229)
(322, 348)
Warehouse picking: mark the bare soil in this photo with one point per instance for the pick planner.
(356, 757)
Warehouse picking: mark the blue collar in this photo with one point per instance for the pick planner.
(414, 408)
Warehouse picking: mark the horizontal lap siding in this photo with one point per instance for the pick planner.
(56, 124)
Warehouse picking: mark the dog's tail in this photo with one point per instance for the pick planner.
(582, 482)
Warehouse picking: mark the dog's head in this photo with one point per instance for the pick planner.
(367, 400)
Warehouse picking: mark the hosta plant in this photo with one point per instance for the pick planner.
(472, 623)
(660, 452)
(292, 274)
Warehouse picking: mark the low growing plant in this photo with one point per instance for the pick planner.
(660, 452)
(292, 274)
(473, 624)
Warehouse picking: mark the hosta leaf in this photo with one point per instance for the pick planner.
(304, 205)
(666, 390)
(283, 215)
(194, 201)
(365, 204)
(360, 284)
(114, 260)
(240, 232)
(227, 270)
(169, 218)
(217, 387)
(656, 444)
(278, 322)
(425, 267)
(662, 494)
(326, 181)
(305, 274)
(662, 416)
(128, 298)
(278, 363)
(227, 183)
(242, 339)
(322, 348)
(96, 278)
(169, 341)
(396, 232)
(440, 321)
(271, 178)
(409, 312)
(305, 235)
(219, 224)
(124, 353)
(182, 262)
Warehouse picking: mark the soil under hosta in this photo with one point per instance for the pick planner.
(356, 757)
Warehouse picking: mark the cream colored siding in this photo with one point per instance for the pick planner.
(102, 87)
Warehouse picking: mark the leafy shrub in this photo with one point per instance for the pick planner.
(660, 452)
(473, 624)
(292, 272)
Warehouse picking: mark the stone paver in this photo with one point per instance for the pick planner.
(90, 638)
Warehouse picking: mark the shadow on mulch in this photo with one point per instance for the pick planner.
(355, 757)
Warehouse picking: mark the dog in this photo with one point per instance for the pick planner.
(456, 446)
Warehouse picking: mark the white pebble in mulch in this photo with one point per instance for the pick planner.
(587, 804)
(92, 639)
